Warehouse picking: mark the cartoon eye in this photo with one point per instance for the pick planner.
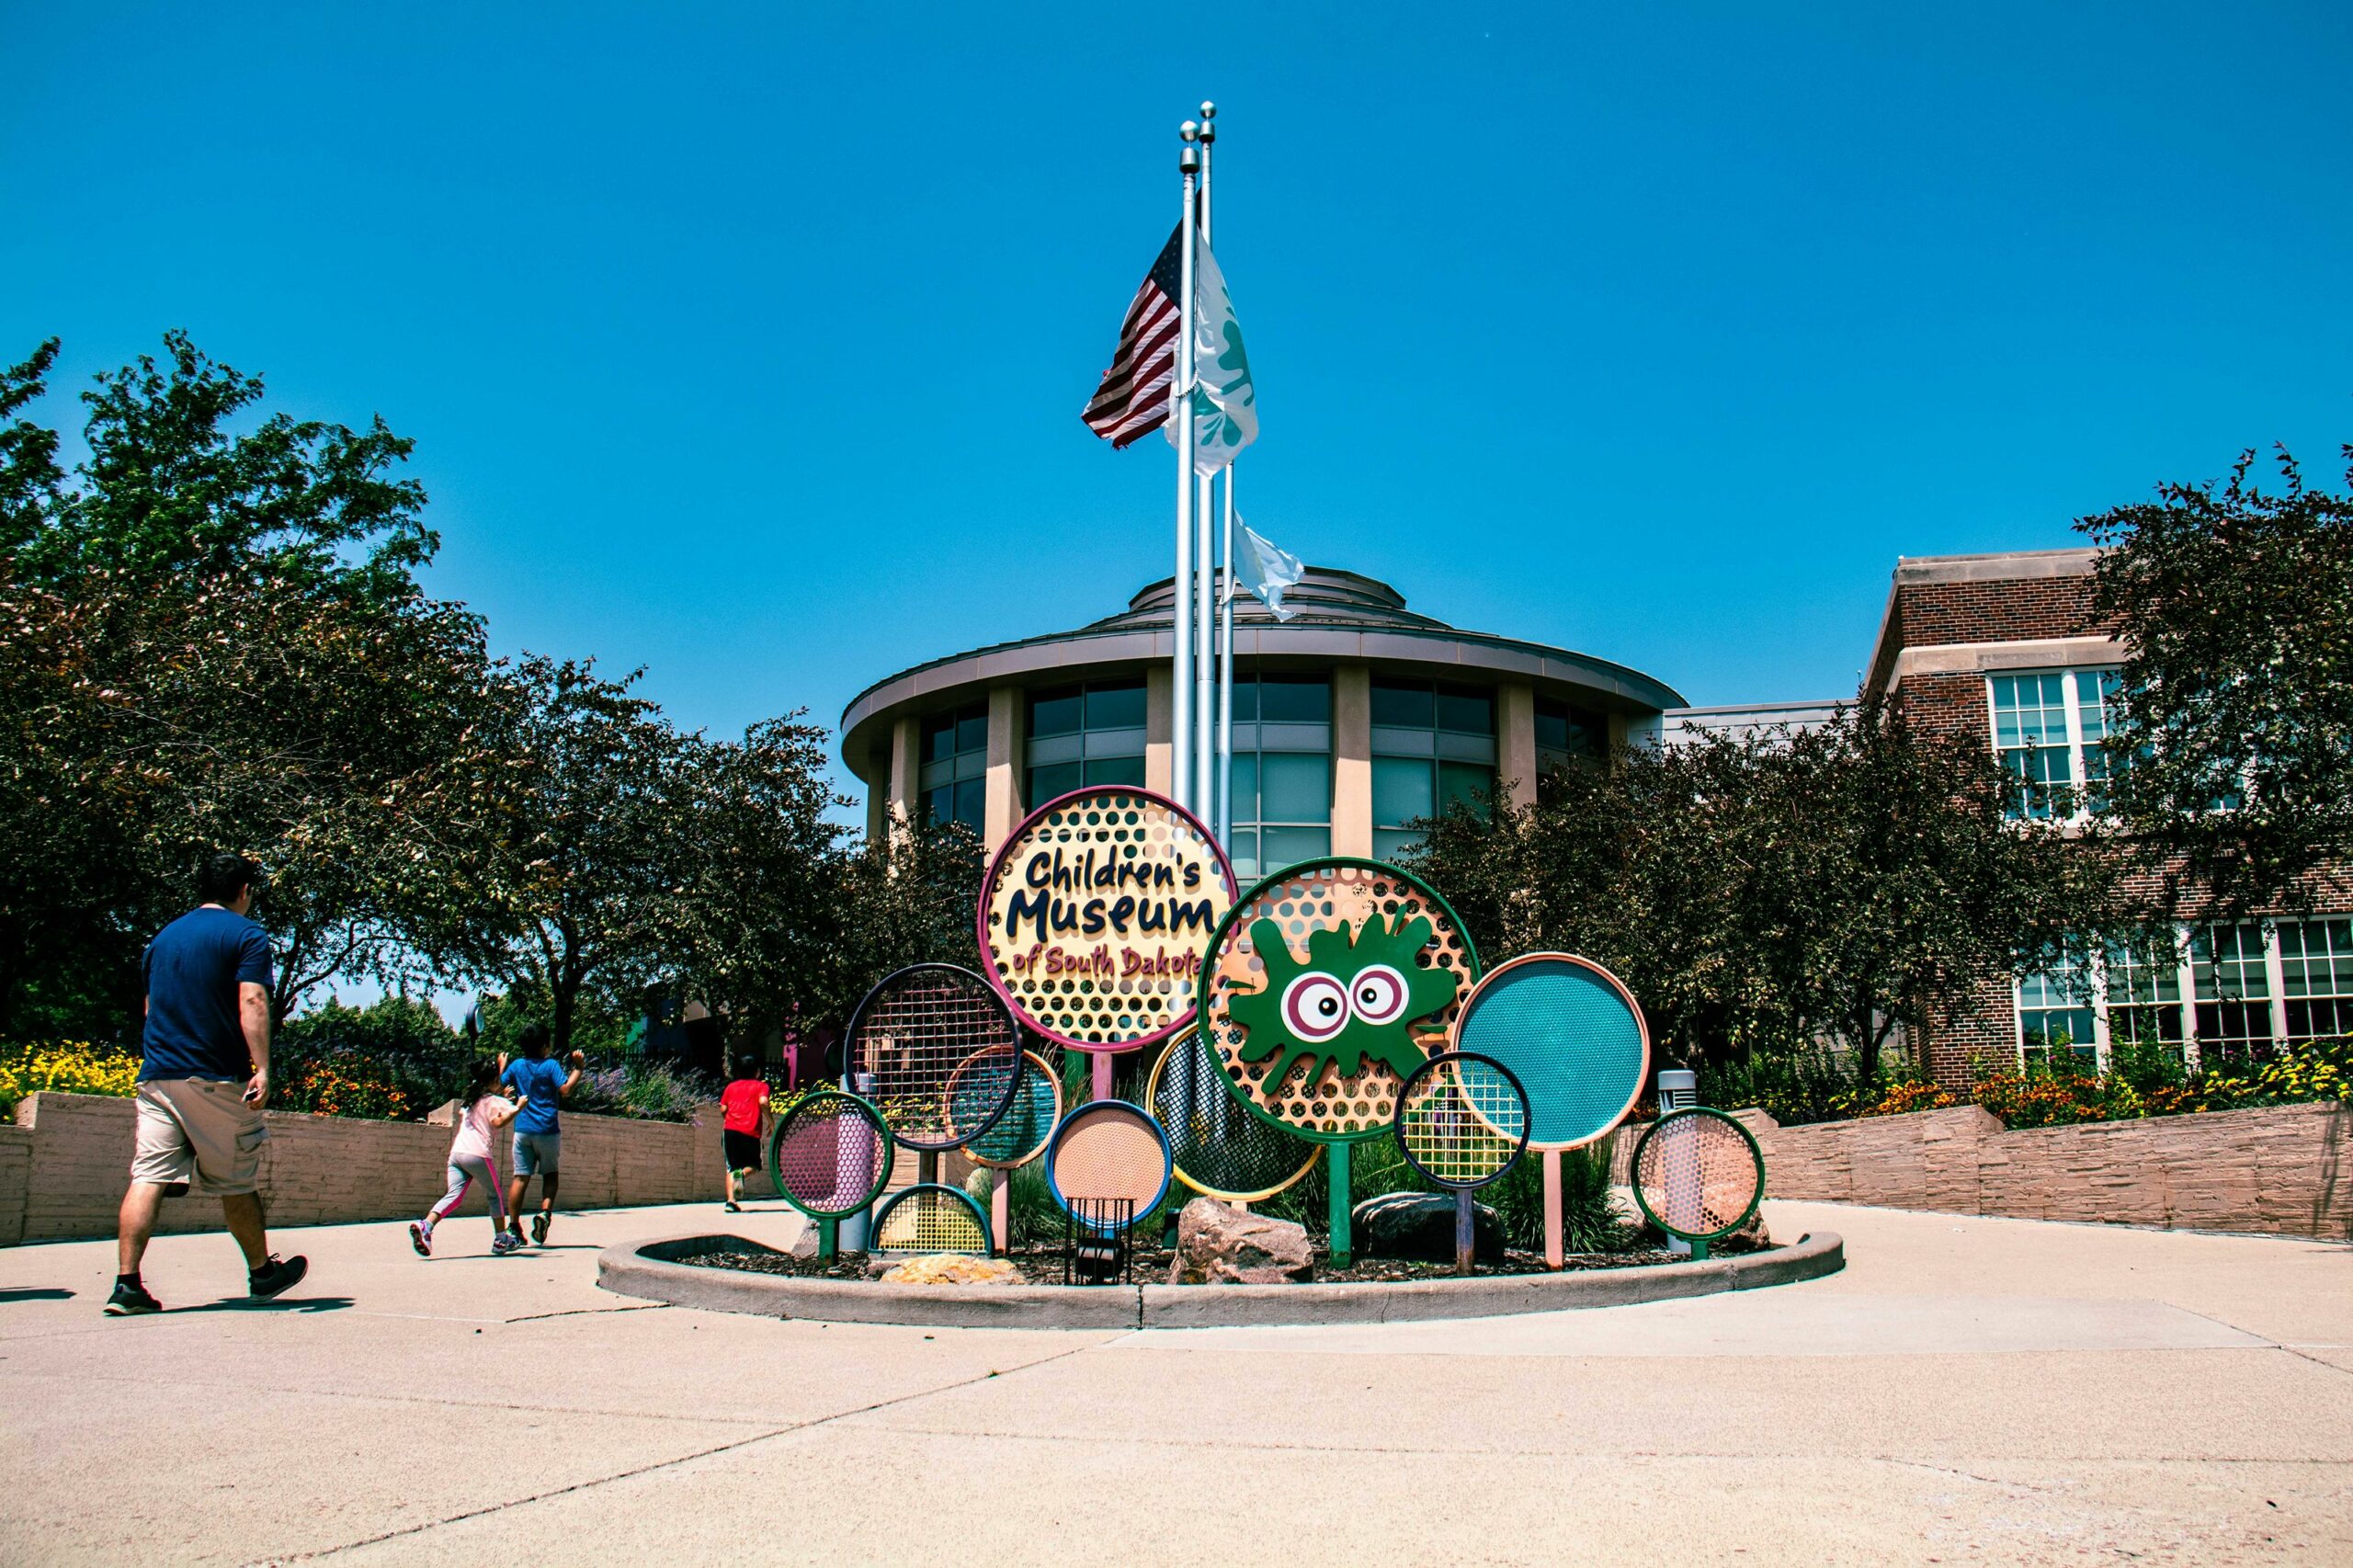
(1378, 994)
(1315, 1007)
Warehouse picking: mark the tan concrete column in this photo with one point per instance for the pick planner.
(1159, 728)
(1516, 742)
(906, 765)
(878, 792)
(1352, 760)
(1008, 718)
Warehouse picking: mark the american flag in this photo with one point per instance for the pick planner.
(1132, 400)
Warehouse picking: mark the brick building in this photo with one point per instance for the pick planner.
(1996, 646)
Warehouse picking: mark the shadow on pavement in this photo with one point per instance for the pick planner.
(47, 1294)
(282, 1304)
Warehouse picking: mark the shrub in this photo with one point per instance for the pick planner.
(648, 1090)
(73, 1067)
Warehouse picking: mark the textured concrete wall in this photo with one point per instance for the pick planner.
(2282, 1170)
(76, 1161)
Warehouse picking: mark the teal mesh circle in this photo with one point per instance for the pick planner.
(1569, 1035)
(1028, 1120)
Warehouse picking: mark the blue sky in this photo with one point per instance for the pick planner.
(747, 343)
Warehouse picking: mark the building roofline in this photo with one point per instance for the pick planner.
(1996, 566)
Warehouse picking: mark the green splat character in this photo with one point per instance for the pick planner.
(1349, 1003)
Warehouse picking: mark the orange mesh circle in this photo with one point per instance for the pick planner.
(1110, 1149)
(1697, 1174)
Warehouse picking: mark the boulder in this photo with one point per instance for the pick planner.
(1420, 1226)
(1218, 1244)
(952, 1268)
(804, 1246)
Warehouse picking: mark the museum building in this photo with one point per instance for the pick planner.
(1361, 715)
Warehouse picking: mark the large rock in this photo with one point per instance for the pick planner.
(1420, 1226)
(1217, 1244)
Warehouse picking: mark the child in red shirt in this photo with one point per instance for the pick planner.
(745, 1102)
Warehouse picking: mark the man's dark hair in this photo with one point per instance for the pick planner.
(223, 877)
(534, 1040)
(747, 1067)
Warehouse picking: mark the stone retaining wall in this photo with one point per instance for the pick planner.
(2281, 1170)
(64, 1165)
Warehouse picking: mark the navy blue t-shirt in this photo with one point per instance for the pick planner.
(194, 967)
(544, 1081)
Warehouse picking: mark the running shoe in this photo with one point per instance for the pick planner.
(275, 1278)
(130, 1301)
(733, 1207)
(422, 1240)
(507, 1244)
(540, 1227)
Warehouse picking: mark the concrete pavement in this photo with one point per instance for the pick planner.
(1968, 1390)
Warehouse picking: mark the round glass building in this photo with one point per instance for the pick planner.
(1350, 720)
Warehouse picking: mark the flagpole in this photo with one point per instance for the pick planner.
(1225, 678)
(1205, 567)
(1180, 404)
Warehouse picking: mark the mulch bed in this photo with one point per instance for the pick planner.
(1043, 1266)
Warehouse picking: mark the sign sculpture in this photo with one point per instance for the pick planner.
(1093, 915)
(1327, 985)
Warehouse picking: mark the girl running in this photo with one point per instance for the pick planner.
(486, 1112)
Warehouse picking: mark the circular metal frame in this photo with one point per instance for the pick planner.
(1031, 1063)
(1634, 1167)
(1493, 984)
(994, 1000)
(1454, 1059)
(1375, 1125)
(861, 1109)
(1004, 858)
(1193, 1040)
(931, 1191)
(1070, 1122)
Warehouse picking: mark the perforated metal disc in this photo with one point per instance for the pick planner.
(1462, 1120)
(1218, 1147)
(1021, 1133)
(936, 1051)
(1344, 915)
(1571, 1033)
(1093, 914)
(929, 1217)
(1697, 1174)
(1108, 1149)
(830, 1154)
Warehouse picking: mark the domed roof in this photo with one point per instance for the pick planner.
(1324, 597)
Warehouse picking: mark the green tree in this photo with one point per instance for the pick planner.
(2231, 747)
(1763, 892)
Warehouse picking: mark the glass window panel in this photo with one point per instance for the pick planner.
(1126, 772)
(1055, 712)
(1246, 786)
(1403, 704)
(940, 737)
(940, 805)
(971, 803)
(1467, 782)
(1243, 852)
(1295, 699)
(2129, 979)
(2059, 1034)
(1116, 706)
(1246, 699)
(1294, 788)
(972, 730)
(1400, 791)
(1390, 845)
(1466, 710)
(1288, 845)
(1051, 781)
(2226, 962)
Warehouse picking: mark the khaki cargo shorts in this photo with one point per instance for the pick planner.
(202, 1130)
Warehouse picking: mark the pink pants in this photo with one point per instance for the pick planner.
(464, 1171)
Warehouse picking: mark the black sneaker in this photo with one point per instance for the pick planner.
(540, 1227)
(276, 1277)
(130, 1301)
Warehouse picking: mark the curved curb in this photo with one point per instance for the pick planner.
(647, 1269)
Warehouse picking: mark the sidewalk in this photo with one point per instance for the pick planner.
(1968, 1391)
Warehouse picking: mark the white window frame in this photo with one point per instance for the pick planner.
(2071, 705)
(2186, 987)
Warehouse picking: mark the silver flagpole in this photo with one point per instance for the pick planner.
(1205, 567)
(1225, 678)
(1180, 404)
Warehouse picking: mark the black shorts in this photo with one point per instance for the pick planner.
(743, 1151)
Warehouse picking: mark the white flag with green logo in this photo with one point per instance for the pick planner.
(1225, 409)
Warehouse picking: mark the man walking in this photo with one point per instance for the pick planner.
(541, 1085)
(204, 1081)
